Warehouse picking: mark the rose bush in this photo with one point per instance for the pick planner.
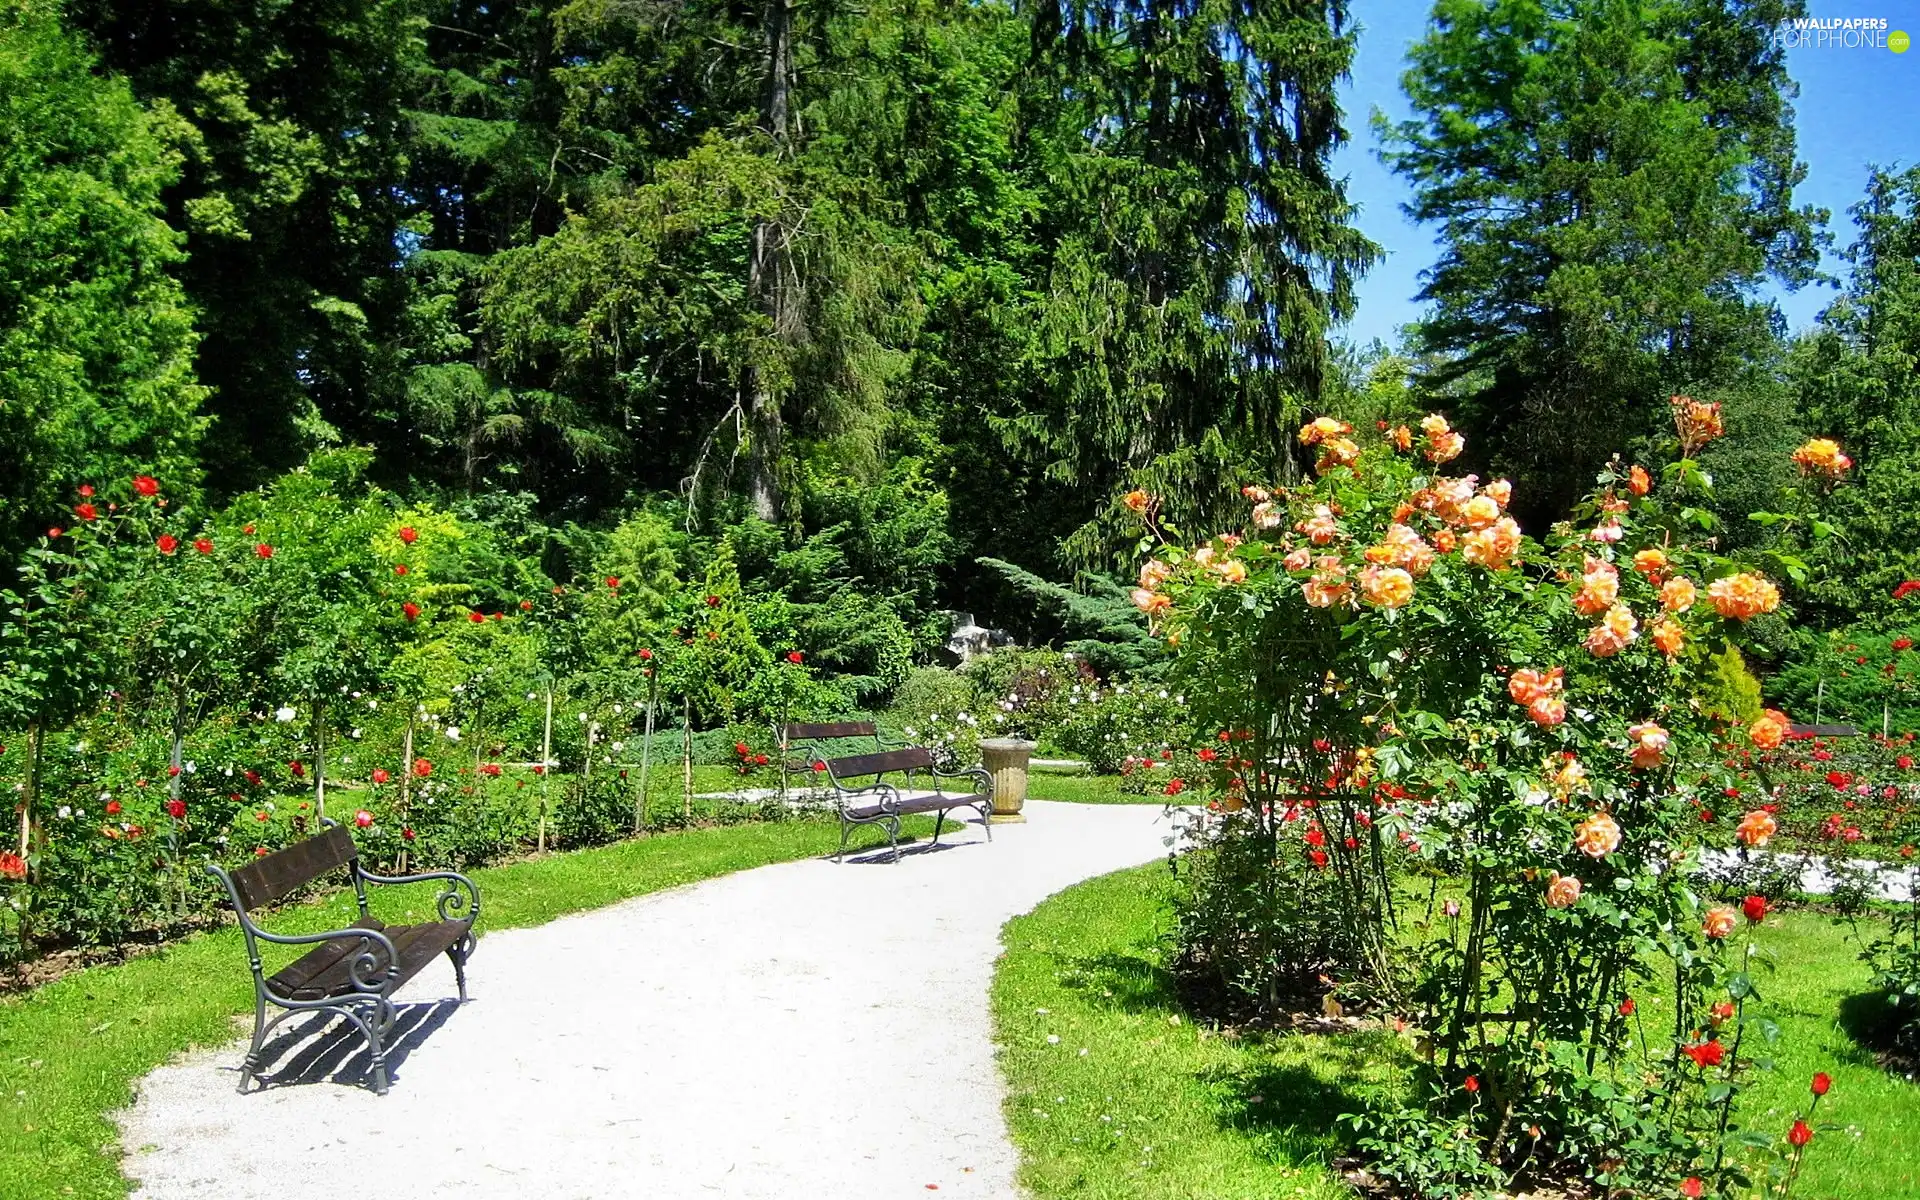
(1409, 682)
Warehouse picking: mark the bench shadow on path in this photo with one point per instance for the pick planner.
(1291, 1109)
(968, 833)
(325, 1048)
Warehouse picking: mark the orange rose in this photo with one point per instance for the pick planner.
(1297, 560)
(1744, 596)
(1769, 729)
(1527, 685)
(1721, 921)
(1326, 589)
(1336, 453)
(1231, 571)
(1649, 745)
(1321, 527)
(1136, 500)
(1387, 587)
(1444, 541)
(1638, 481)
(1650, 562)
(1266, 515)
(1599, 587)
(1151, 602)
(1256, 493)
(1500, 491)
(1597, 836)
(1480, 512)
(1569, 777)
(1614, 634)
(1668, 637)
(1402, 438)
(1322, 429)
(1822, 457)
(1153, 573)
(1547, 711)
(1494, 547)
(1678, 594)
(1563, 891)
(1757, 828)
(1696, 422)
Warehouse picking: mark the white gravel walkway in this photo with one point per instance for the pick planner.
(803, 1030)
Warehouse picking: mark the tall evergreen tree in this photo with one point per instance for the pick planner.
(1613, 180)
(1198, 245)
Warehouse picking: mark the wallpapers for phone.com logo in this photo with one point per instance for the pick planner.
(1841, 33)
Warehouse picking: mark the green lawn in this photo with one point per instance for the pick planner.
(1081, 787)
(1159, 1108)
(69, 1052)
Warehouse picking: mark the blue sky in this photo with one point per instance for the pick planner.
(1857, 108)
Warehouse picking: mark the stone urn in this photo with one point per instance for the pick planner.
(1006, 760)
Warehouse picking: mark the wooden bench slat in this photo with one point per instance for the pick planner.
(916, 758)
(265, 880)
(327, 971)
(829, 731)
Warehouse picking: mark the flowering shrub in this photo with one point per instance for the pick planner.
(1107, 725)
(1844, 796)
(1416, 682)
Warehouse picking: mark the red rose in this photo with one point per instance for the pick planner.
(759, 760)
(261, 816)
(1822, 1083)
(1755, 907)
(408, 534)
(203, 545)
(263, 550)
(1319, 858)
(85, 490)
(1472, 1083)
(1800, 1134)
(491, 770)
(261, 852)
(1709, 1053)
(113, 808)
(407, 834)
(1904, 762)
(399, 568)
(1626, 1007)
(86, 512)
(363, 818)
(644, 653)
(167, 543)
(613, 581)
(54, 532)
(713, 602)
(299, 771)
(538, 769)
(12, 866)
(795, 657)
(477, 618)
(740, 748)
(177, 809)
(146, 485)
(526, 606)
(411, 610)
(1691, 1187)
(422, 768)
(819, 766)
(253, 777)
(1176, 786)
(1904, 643)
(380, 775)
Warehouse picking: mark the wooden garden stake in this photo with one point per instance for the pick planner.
(546, 767)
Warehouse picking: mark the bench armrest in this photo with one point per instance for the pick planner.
(979, 775)
(452, 904)
(885, 793)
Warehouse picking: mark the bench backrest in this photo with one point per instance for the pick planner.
(828, 732)
(916, 758)
(265, 880)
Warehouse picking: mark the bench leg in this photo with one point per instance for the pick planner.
(251, 1062)
(893, 837)
(371, 1031)
(846, 831)
(457, 954)
(986, 818)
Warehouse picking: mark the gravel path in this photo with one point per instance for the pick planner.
(801, 1030)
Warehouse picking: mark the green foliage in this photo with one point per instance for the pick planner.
(1105, 629)
(1728, 691)
(96, 338)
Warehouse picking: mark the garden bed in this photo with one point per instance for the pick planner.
(1162, 1106)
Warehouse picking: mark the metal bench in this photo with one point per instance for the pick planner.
(881, 801)
(353, 972)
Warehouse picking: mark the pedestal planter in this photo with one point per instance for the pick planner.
(1006, 760)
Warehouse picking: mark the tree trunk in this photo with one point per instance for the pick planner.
(686, 760)
(768, 271)
(320, 760)
(28, 820)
